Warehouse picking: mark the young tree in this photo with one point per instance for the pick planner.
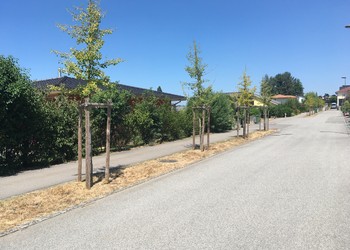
(311, 101)
(265, 92)
(86, 62)
(201, 95)
(245, 98)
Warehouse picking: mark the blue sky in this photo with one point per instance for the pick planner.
(304, 37)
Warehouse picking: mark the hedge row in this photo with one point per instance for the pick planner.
(35, 132)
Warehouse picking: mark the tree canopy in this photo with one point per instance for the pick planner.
(285, 84)
(86, 63)
(196, 71)
(246, 93)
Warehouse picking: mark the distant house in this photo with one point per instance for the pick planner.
(282, 99)
(342, 94)
(72, 83)
(257, 100)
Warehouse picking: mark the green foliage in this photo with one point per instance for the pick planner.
(246, 93)
(285, 84)
(33, 132)
(20, 117)
(313, 102)
(61, 119)
(221, 113)
(86, 63)
(201, 95)
(154, 120)
(281, 110)
(345, 108)
(332, 99)
(296, 106)
(290, 108)
(265, 91)
(121, 134)
(254, 111)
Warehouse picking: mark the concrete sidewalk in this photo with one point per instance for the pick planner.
(42, 178)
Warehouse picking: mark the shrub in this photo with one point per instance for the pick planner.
(121, 134)
(281, 110)
(221, 117)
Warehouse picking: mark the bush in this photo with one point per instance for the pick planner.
(155, 120)
(121, 134)
(281, 110)
(221, 117)
(345, 108)
(61, 124)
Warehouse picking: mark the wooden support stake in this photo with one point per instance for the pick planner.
(244, 122)
(88, 153)
(108, 143)
(80, 147)
(194, 129)
(238, 122)
(208, 129)
(202, 129)
(248, 115)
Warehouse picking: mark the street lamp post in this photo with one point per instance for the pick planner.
(344, 77)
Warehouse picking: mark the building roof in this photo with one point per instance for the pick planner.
(343, 90)
(279, 96)
(256, 96)
(72, 83)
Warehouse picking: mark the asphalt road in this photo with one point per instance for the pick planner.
(290, 190)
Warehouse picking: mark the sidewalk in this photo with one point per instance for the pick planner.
(42, 178)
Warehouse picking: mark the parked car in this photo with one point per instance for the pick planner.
(333, 105)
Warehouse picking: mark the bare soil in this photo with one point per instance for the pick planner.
(20, 211)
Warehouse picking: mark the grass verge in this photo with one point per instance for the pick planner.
(21, 211)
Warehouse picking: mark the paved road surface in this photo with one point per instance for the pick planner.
(286, 191)
(37, 179)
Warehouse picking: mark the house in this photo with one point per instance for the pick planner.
(257, 100)
(72, 83)
(342, 94)
(282, 99)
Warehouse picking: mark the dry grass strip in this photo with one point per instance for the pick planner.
(20, 211)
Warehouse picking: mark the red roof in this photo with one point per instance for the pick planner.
(344, 90)
(284, 97)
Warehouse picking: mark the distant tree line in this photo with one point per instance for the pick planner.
(285, 84)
